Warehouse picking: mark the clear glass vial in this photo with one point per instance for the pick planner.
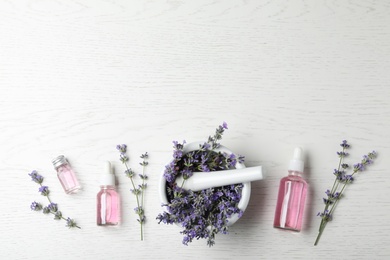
(66, 175)
(108, 202)
(292, 196)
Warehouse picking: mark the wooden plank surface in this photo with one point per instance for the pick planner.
(79, 77)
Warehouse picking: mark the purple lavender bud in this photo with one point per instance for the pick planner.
(70, 223)
(224, 125)
(44, 190)
(36, 177)
(344, 144)
(358, 167)
(123, 158)
(121, 148)
(58, 215)
(36, 206)
(46, 210)
(342, 154)
(53, 207)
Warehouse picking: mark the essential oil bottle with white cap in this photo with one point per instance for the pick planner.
(108, 203)
(66, 175)
(292, 195)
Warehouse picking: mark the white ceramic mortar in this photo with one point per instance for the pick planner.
(246, 190)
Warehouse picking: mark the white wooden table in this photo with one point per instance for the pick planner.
(79, 77)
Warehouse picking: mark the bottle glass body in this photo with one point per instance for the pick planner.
(108, 206)
(68, 178)
(291, 202)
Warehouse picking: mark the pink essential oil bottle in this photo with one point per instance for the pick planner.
(292, 196)
(66, 175)
(108, 203)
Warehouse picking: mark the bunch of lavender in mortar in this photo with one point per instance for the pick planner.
(340, 183)
(202, 214)
(51, 208)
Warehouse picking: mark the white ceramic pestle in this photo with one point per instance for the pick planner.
(204, 180)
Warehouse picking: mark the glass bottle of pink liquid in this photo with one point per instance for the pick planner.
(108, 203)
(66, 175)
(292, 196)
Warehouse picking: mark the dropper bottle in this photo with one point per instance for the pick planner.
(292, 195)
(108, 203)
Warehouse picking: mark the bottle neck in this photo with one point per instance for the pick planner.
(60, 167)
(107, 187)
(295, 173)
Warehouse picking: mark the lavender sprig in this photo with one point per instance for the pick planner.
(51, 208)
(340, 183)
(202, 214)
(139, 190)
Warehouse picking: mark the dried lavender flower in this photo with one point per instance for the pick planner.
(51, 208)
(339, 185)
(139, 190)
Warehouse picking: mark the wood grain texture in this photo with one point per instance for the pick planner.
(78, 77)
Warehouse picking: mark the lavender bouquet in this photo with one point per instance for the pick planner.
(342, 180)
(202, 214)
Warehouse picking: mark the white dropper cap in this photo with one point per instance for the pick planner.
(107, 178)
(297, 164)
